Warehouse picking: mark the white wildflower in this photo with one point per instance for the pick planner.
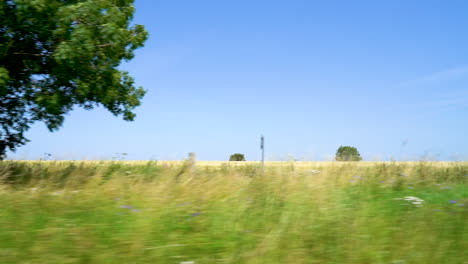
(414, 200)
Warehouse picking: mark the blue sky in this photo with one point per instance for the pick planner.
(387, 77)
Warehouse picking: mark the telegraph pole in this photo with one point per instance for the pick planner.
(262, 147)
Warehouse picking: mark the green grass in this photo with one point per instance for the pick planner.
(137, 212)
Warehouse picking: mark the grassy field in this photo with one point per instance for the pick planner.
(221, 212)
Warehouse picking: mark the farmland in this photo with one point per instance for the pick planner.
(233, 212)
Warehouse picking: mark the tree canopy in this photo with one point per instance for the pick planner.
(237, 157)
(347, 153)
(57, 54)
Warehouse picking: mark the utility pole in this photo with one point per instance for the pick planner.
(262, 147)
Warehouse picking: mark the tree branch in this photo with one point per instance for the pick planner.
(30, 54)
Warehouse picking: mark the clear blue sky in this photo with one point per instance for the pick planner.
(388, 77)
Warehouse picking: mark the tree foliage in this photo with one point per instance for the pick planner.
(347, 153)
(237, 157)
(57, 54)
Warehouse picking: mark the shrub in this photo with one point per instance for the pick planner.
(347, 153)
(237, 157)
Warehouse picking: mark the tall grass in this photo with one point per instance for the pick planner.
(163, 212)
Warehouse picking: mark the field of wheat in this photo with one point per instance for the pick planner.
(233, 212)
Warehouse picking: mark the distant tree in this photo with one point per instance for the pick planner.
(55, 55)
(237, 157)
(347, 153)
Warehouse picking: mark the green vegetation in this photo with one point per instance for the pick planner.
(237, 157)
(55, 55)
(347, 153)
(162, 212)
